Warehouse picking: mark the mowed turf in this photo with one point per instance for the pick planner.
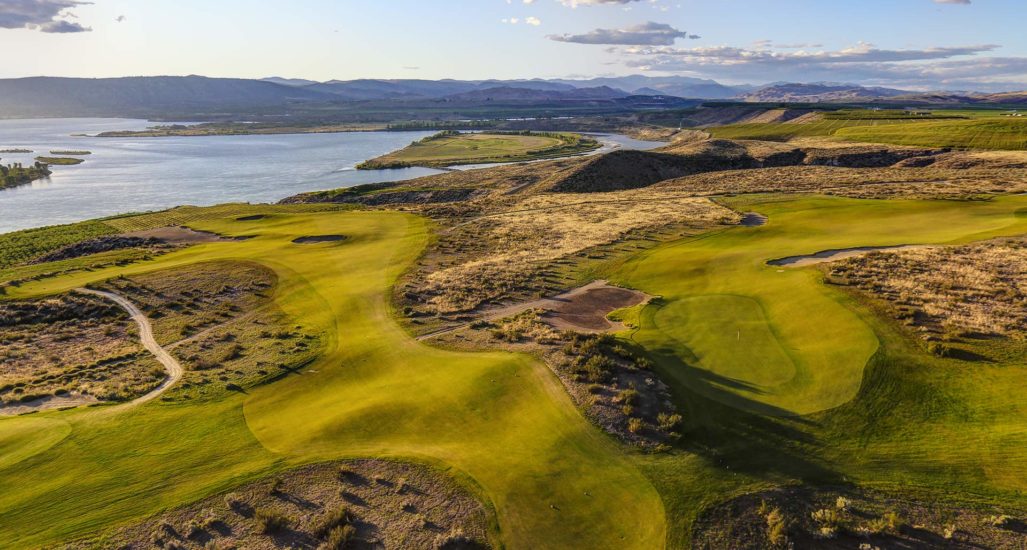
(502, 419)
(990, 133)
(777, 340)
(457, 149)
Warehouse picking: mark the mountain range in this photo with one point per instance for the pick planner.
(173, 96)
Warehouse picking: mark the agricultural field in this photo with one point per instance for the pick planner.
(451, 148)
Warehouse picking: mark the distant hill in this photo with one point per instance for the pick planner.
(678, 86)
(819, 93)
(508, 93)
(289, 81)
(142, 96)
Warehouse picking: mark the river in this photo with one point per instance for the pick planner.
(144, 174)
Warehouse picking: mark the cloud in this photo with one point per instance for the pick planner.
(957, 67)
(41, 15)
(964, 2)
(576, 3)
(533, 21)
(646, 34)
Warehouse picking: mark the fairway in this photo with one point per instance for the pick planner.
(773, 340)
(453, 148)
(502, 419)
(989, 133)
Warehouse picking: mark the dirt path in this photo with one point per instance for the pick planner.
(837, 254)
(171, 364)
(553, 303)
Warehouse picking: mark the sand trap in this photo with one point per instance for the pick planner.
(178, 235)
(47, 403)
(586, 311)
(319, 239)
(583, 309)
(753, 219)
(837, 254)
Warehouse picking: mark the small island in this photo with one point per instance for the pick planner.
(453, 148)
(59, 161)
(13, 175)
(71, 153)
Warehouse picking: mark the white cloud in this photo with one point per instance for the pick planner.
(646, 34)
(576, 3)
(533, 21)
(41, 15)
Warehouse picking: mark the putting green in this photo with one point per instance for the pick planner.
(502, 419)
(775, 340)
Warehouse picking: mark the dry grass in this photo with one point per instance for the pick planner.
(977, 288)
(808, 517)
(219, 320)
(486, 259)
(71, 346)
(378, 503)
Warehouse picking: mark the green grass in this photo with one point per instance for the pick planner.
(990, 133)
(781, 131)
(59, 161)
(453, 148)
(743, 346)
(777, 340)
(503, 419)
(22, 246)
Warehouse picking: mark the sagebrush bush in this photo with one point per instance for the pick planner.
(271, 521)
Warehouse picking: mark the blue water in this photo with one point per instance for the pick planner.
(142, 174)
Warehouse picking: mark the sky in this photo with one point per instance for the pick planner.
(910, 44)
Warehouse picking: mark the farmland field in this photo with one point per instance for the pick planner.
(992, 133)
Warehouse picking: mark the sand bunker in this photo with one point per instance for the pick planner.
(319, 239)
(586, 311)
(837, 254)
(178, 235)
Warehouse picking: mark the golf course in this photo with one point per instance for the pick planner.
(783, 379)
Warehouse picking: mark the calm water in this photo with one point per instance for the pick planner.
(141, 174)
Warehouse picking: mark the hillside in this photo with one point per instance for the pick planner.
(818, 93)
(142, 96)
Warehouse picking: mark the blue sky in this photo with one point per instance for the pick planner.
(921, 44)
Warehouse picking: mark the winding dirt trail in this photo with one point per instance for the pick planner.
(171, 364)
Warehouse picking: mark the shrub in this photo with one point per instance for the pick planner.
(1001, 521)
(841, 503)
(894, 521)
(339, 538)
(635, 425)
(324, 525)
(627, 397)
(938, 350)
(777, 527)
(271, 521)
(628, 410)
(668, 422)
(827, 517)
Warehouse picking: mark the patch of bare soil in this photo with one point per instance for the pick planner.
(800, 517)
(177, 235)
(314, 239)
(373, 504)
(833, 255)
(753, 219)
